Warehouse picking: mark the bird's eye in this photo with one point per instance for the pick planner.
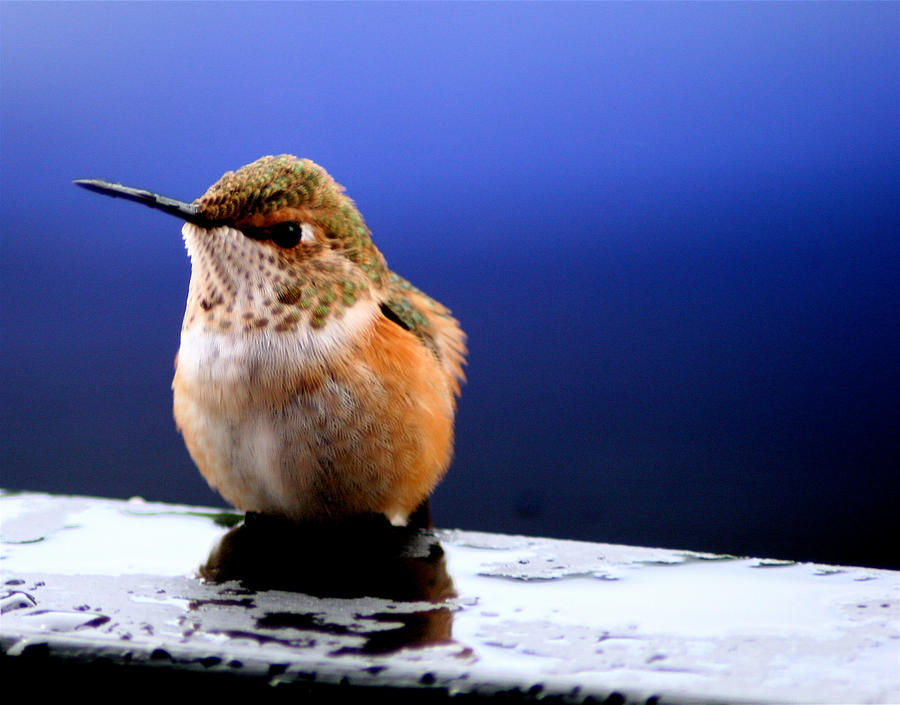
(286, 235)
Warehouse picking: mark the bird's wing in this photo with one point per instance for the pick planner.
(431, 322)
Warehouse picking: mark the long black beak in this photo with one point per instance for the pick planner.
(180, 209)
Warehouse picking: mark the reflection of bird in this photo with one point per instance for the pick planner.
(360, 556)
(312, 382)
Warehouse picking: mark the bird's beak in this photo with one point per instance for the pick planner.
(186, 211)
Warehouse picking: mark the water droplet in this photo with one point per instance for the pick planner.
(59, 621)
(16, 601)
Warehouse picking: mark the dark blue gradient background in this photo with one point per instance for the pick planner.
(670, 231)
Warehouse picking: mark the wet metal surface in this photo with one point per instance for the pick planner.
(453, 612)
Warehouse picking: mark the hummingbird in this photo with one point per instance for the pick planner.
(312, 383)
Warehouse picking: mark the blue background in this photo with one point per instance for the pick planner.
(670, 231)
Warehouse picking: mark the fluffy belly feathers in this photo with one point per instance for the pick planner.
(359, 419)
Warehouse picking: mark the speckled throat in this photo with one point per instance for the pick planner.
(238, 283)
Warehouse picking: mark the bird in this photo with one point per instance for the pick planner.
(312, 383)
